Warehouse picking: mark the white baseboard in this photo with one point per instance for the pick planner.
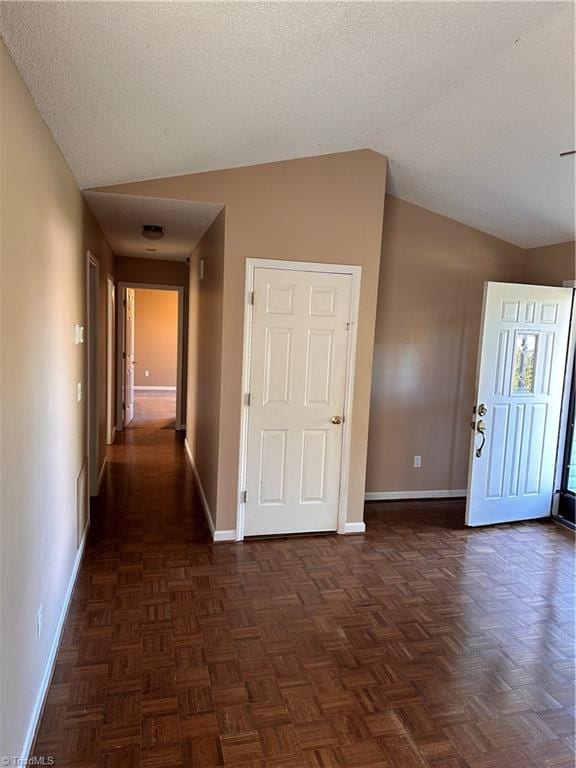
(400, 495)
(355, 528)
(203, 498)
(163, 389)
(224, 535)
(51, 660)
(101, 475)
(216, 535)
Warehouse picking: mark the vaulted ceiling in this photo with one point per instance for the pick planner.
(473, 102)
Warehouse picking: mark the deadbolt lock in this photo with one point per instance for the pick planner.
(336, 419)
(482, 410)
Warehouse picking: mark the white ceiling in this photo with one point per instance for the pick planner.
(471, 101)
(122, 217)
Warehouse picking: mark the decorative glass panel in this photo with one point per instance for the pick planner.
(524, 363)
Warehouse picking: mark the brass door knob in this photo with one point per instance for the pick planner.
(336, 420)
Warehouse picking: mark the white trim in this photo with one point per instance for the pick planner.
(110, 341)
(350, 528)
(122, 285)
(459, 493)
(302, 266)
(569, 284)
(51, 660)
(161, 389)
(224, 535)
(217, 536)
(203, 498)
(565, 408)
(92, 409)
(101, 474)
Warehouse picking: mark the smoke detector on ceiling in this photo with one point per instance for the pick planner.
(152, 231)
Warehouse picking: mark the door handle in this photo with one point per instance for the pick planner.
(336, 419)
(481, 430)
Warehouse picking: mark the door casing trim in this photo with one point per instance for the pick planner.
(120, 383)
(301, 266)
(91, 386)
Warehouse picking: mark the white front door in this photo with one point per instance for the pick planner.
(521, 365)
(129, 356)
(299, 358)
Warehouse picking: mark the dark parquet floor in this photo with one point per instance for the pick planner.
(419, 645)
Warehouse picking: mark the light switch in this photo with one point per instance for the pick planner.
(146, 373)
(79, 391)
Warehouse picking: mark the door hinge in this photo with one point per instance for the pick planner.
(123, 406)
(124, 302)
(123, 355)
(244, 497)
(251, 297)
(247, 398)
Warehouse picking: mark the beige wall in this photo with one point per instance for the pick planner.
(327, 209)
(430, 298)
(551, 264)
(151, 271)
(205, 363)
(46, 228)
(156, 337)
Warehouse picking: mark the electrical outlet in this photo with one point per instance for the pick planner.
(417, 462)
(79, 391)
(146, 373)
(39, 622)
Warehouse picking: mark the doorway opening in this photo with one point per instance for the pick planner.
(150, 365)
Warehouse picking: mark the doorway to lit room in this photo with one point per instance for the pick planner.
(150, 357)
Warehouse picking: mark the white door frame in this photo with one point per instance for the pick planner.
(110, 336)
(120, 380)
(300, 266)
(565, 411)
(92, 442)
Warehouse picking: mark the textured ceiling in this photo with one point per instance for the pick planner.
(471, 101)
(121, 218)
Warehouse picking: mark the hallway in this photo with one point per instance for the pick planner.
(419, 645)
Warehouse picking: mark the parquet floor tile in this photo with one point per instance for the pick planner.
(420, 645)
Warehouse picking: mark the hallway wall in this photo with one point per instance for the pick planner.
(46, 229)
(204, 362)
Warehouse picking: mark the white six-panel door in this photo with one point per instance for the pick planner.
(298, 373)
(523, 347)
